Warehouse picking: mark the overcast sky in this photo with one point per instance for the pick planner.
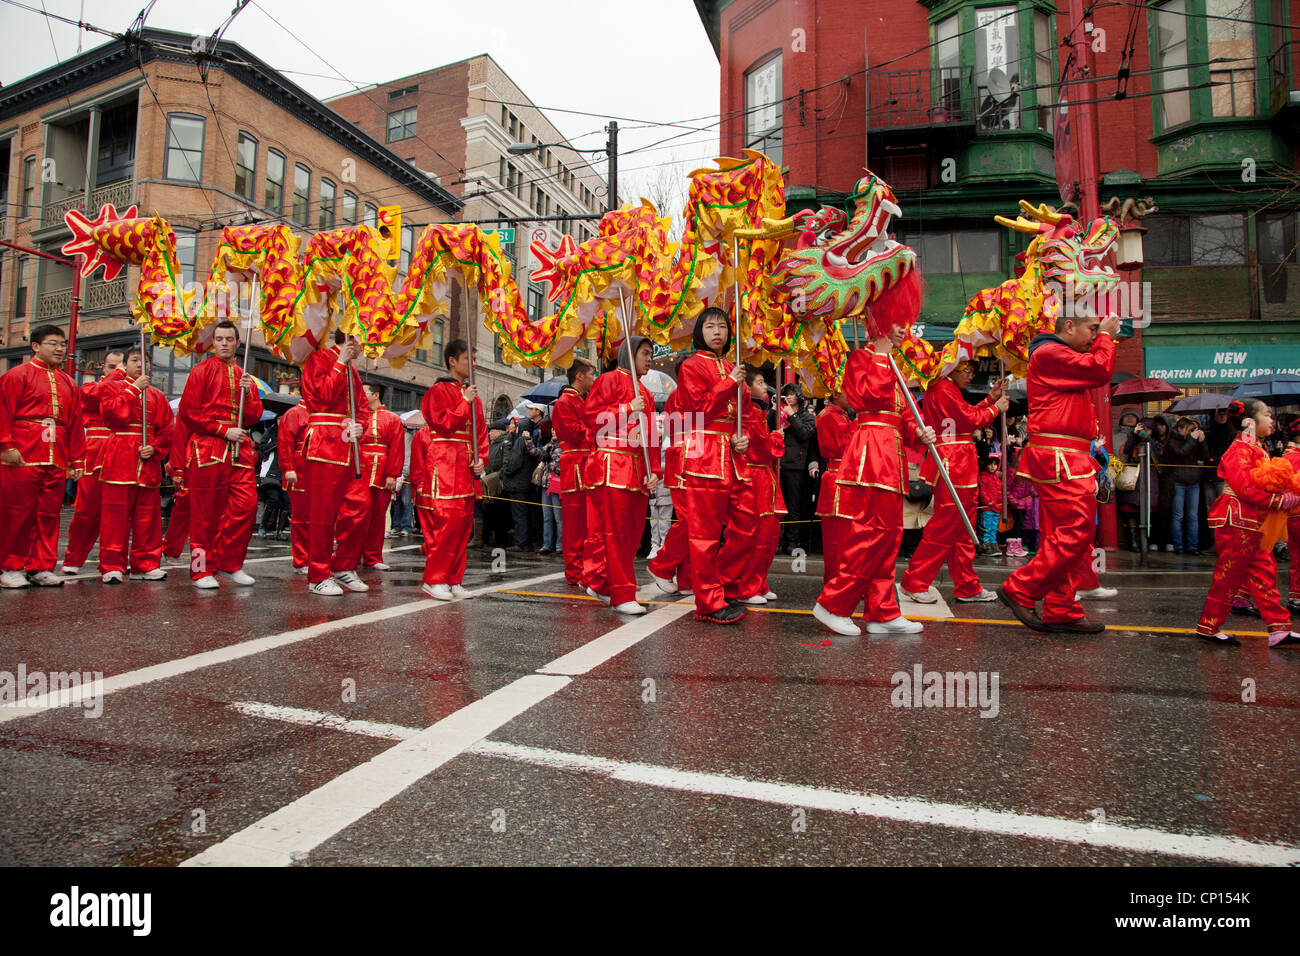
(648, 62)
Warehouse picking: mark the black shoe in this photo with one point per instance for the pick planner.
(1248, 611)
(1178, 550)
(731, 614)
(1293, 605)
(1026, 615)
(1230, 642)
(1081, 626)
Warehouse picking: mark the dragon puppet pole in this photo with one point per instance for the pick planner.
(469, 332)
(144, 394)
(1004, 523)
(740, 386)
(631, 370)
(253, 305)
(934, 452)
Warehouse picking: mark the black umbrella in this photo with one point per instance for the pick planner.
(1204, 402)
(544, 393)
(1281, 389)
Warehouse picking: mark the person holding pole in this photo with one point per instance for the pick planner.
(178, 522)
(221, 461)
(383, 454)
(570, 425)
(945, 539)
(834, 426)
(754, 528)
(1064, 366)
(132, 474)
(445, 478)
(84, 527)
(337, 416)
(671, 566)
(293, 473)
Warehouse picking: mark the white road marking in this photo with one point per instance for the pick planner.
(904, 810)
(596, 652)
(183, 565)
(66, 698)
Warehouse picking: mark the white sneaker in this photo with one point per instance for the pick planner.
(984, 597)
(1169, 548)
(899, 625)
(157, 574)
(665, 585)
(459, 591)
(439, 592)
(69, 569)
(242, 577)
(13, 579)
(1096, 594)
(754, 600)
(629, 607)
(329, 587)
(599, 597)
(46, 579)
(300, 570)
(379, 567)
(112, 577)
(928, 596)
(840, 625)
(685, 592)
(206, 583)
(350, 581)
(770, 595)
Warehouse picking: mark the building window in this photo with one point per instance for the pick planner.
(947, 251)
(401, 124)
(327, 193)
(1277, 250)
(245, 165)
(763, 109)
(29, 186)
(404, 91)
(514, 128)
(184, 155)
(505, 114)
(20, 296)
(997, 67)
(1195, 240)
(501, 171)
(1171, 55)
(534, 304)
(301, 193)
(439, 332)
(187, 253)
(349, 208)
(1232, 40)
(372, 215)
(274, 180)
(116, 145)
(408, 244)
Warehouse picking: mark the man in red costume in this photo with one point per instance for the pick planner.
(570, 426)
(945, 538)
(132, 475)
(84, 527)
(383, 455)
(178, 522)
(42, 443)
(336, 485)
(448, 477)
(221, 462)
(754, 528)
(834, 426)
(288, 445)
(1064, 367)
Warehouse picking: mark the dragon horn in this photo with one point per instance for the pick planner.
(1042, 212)
(1019, 224)
(771, 229)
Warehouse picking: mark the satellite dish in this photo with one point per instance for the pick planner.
(998, 85)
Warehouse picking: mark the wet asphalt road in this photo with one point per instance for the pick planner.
(264, 725)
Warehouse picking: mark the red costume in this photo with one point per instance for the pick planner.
(869, 488)
(288, 445)
(178, 522)
(337, 497)
(222, 482)
(84, 527)
(569, 424)
(40, 416)
(444, 486)
(616, 477)
(131, 508)
(1292, 455)
(754, 528)
(1242, 559)
(833, 430)
(674, 559)
(954, 421)
(383, 454)
(1058, 458)
(712, 473)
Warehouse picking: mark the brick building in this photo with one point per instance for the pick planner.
(205, 141)
(953, 102)
(456, 122)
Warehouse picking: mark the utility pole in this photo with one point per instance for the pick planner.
(611, 153)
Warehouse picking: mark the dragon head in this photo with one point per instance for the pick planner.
(1068, 260)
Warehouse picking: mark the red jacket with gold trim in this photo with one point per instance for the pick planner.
(289, 436)
(569, 423)
(119, 404)
(617, 459)
(954, 421)
(209, 406)
(450, 452)
(762, 458)
(874, 455)
(1062, 420)
(708, 401)
(383, 448)
(34, 397)
(833, 430)
(97, 433)
(1243, 504)
(325, 382)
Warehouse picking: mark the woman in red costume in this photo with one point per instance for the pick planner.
(872, 476)
(1292, 454)
(1237, 517)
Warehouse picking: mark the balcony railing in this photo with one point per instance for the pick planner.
(94, 295)
(121, 194)
(920, 99)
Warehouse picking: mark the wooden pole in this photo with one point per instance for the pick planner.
(1004, 522)
(254, 307)
(144, 395)
(740, 386)
(636, 382)
(469, 334)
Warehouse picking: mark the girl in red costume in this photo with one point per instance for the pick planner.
(1292, 454)
(1237, 517)
(872, 477)
(755, 528)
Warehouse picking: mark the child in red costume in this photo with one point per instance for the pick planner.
(1237, 517)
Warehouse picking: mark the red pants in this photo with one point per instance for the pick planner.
(84, 527)
(945, 540)
(833, 532)
(380, 499)
(178, 526)
(769, 537)
(336, 513)
(1241, 562)
(31, 497)
(573, 535)
(1063, 563)
(674, 559)
(299, 506)
(223, 509)
(594, 573)
(447, 527)
(741, 549)
(1089, 580)
(1293, 548)
(865, 551)
(621, 523)
(709, 501)
(134, 513)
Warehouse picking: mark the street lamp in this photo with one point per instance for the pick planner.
(610, 149)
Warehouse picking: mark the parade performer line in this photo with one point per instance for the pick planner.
(224, 655)
(298, 828)
(899, 809)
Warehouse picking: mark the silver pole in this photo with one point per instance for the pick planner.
(254, 307)
(636, 383)
(144, 395)
(740, 386)
(469, 334)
